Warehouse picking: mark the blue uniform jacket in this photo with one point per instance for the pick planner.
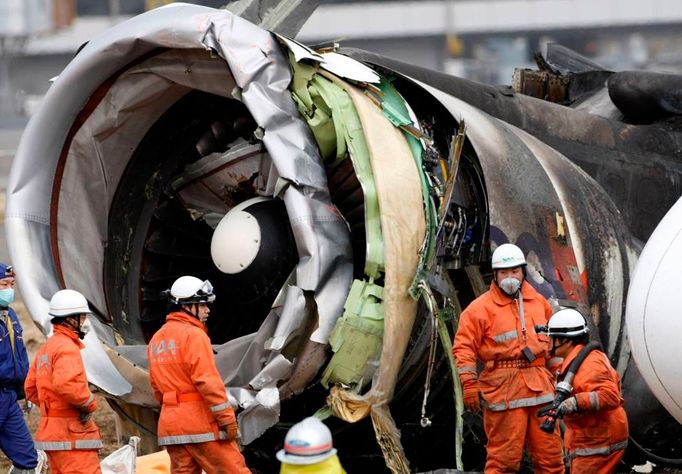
(13, 368)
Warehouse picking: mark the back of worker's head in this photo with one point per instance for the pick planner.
(67, 307)
(568, 324)
(307, 442)
(186, 292)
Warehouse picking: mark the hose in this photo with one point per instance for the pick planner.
(654, 457)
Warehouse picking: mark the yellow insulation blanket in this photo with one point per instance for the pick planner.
(403, 227)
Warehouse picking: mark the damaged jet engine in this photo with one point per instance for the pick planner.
(344, 206)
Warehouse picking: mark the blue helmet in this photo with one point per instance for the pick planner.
(6, 270)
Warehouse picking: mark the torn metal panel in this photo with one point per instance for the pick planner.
(300, 51)
(207, 185)
(340, 130)
(348, 68)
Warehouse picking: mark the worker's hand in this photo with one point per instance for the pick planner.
(568, 406)
(231, 430)
(472, 400)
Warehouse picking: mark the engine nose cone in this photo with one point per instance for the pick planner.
(237, 239)
(254, 241)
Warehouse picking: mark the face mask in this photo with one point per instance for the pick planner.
(6, 296)
(510, 285)
(84, 329)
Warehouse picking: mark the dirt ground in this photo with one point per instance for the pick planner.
(104, 416)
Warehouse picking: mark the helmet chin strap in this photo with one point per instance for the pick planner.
(552, 351)
(186, 311)
(75, 325)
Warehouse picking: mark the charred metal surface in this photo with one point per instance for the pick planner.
(640, 167)
(541, 85)
(565, 60)
(650, 424)
(645, 97)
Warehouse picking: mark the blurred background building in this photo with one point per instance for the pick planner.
(483, 40)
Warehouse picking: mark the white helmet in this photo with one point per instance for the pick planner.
(68, 303)
(567, 323)
(508, 256)
(189, 289)
(307, 442)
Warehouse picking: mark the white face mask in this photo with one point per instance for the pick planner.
(510, 285)
(86, 327)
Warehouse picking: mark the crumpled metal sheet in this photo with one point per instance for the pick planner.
(96, 159)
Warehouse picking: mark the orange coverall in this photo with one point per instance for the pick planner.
(596, 436)
(490, 329)
(194, 407)
(56, 382)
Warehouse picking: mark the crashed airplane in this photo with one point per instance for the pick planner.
(344, 206)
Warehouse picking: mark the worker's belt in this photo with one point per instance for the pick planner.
(173, 398)
(517, 363)
(60, 412)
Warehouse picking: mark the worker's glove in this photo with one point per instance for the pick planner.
(84, 417)
(568, 406)
(472, 400)
(231, 430)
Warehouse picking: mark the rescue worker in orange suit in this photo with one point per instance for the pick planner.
(15, 438)
(596, 424)
(57, 383)
(498, 328)
(197, 425)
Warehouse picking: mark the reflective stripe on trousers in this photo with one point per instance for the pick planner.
(598, 450)
(67, 446)
(520, 403)
(193, 438)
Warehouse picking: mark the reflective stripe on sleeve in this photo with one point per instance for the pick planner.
(90, 399)
(594, 400)
(471, 370)
(219, 407)
(184, 439)
(505, 336)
